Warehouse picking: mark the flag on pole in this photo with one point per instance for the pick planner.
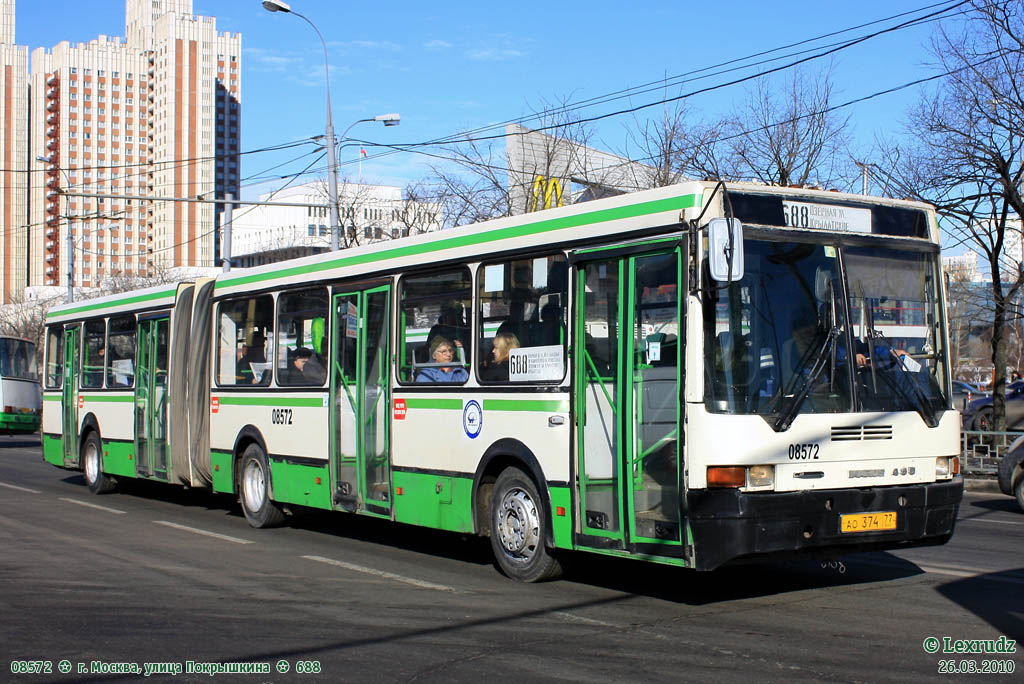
(362, 152)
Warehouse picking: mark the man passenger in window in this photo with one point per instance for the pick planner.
(306, 369)
(442, 351)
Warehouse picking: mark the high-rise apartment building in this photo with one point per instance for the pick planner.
(154, 115)
(14, 242)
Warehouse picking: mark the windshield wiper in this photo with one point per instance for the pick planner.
(900, 381)
(790, 403)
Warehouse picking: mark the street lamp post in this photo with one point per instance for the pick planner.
(332, 166)
(332, 161)
(70, 245)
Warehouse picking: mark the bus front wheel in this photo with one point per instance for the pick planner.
(519, 529)
(259, 510)
(92, 466)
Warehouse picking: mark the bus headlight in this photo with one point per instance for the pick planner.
(761, 476)
(946, 467)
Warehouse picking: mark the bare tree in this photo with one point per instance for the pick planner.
(25, 315)
(482, 183)
(672, 148)
(967, 155)
(787, 135)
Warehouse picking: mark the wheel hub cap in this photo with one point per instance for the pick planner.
(518, 524)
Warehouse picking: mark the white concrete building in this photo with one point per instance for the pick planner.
(155, 114)
(369, 213)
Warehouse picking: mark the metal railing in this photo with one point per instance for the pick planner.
(981, 451)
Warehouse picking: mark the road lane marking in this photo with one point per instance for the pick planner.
(92, 505)
(585, 620)
(20, 489)
(982, 574)
(998, 522)
(205, 533)
(386, 575)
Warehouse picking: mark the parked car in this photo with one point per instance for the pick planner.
(978, 413)
(1011, 472)
(964, 393)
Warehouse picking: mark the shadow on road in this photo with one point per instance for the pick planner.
(996, 597)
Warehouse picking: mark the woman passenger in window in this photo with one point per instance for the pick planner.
(442, 351)
(497, 369)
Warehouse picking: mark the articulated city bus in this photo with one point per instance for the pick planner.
(21, 409)
(692, 375)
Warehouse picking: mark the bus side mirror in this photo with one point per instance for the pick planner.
(725, 239)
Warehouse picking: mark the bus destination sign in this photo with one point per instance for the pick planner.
(826, 217)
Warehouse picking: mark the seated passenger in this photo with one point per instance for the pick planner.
(497, 369)
(451, 326)
(442, 351)
(306, 368)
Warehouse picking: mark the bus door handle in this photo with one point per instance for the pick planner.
(555, 421)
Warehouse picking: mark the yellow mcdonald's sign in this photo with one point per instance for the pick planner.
(548, 188)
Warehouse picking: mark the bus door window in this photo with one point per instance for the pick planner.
(302, 342)
(94, 353)
(522, 320)
(121, 352)
(54, 356)
(244, 326)
(435, 309)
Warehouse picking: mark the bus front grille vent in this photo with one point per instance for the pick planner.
(856, 433)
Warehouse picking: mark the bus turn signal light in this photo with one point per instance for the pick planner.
(727, 476)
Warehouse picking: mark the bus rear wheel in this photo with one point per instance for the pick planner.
(92, 466)
(519, 529)
(254, 488)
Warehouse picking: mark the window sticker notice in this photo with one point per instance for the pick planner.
(536, 364)
(826, 217)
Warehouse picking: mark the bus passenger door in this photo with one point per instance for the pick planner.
(151, 398)
(69, 398)
(628, 371)
(360, 389)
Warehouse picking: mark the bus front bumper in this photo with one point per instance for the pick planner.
(729, 525)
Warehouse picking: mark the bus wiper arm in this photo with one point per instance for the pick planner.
(791, 404)
(900, 381)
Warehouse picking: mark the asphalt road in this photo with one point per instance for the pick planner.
(155, 574)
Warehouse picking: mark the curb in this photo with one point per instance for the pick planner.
(982, 484)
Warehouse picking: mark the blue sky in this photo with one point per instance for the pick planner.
(455, 65)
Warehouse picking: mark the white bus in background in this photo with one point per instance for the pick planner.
(21, 398)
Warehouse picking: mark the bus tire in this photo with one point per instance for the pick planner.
(1018, 491)
(92, 466)
(519, 529)
(254, 489)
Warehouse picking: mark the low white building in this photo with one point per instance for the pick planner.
(369, 213)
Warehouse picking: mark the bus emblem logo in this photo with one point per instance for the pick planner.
(400, 409)
(472, 419)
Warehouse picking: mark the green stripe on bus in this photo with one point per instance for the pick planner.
(52, 397)
(137, 299)
(109, 398)
(575, 221)
(279, 400)
(442, 404)
(545, 405)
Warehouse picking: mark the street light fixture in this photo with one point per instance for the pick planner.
(70, 257)
(331, 141)
(332, 165)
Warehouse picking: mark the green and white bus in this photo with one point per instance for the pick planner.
(692, 375)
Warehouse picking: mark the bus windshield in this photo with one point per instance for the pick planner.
(18, 359)
(824, 328)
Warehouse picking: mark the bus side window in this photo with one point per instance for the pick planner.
(94, 353)
(121, 352)
(522, 315)
(245, 327)
(435, 306)
(54, 356)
